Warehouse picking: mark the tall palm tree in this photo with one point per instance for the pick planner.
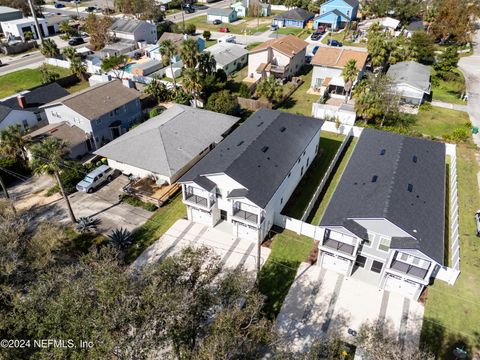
(189, 53)
(349, 74)
(65, 28)
(49, 48)
(206, 63)
(168, 50)
(192, 83)
(69, 52)
(12, 142)
(77, 67)
(47, 158)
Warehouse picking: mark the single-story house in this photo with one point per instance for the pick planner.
(167, 145)
(104, 111)
(242, 7)
(248, 178)
(336, 14)
(328, 64)
(8, 14)
(229, 57)
(411, 80)
(17, 28)
(224, 15)
(282, 58)
(297, 17)
(24, 108)
(385, 222)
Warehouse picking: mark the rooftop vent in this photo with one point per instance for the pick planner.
(240, 143)
(260, 124)
(383, 151)
(414, 158)
(283, 128)
(410, 187)
(264, 149)
(374, 178)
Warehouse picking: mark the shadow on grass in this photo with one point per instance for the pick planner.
(80, 244)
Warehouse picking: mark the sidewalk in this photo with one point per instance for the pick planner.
(450, 106)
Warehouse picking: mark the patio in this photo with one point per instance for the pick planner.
(149, 191)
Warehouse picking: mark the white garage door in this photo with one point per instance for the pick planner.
(200, 216)
(337, 264)
(405, 288)
(247, 232)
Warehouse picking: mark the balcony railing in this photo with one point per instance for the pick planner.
(278, 69)
(409, 269)
(339, 246)
(199, 200)
(247, 216)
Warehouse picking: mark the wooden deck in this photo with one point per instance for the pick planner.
(148, 191)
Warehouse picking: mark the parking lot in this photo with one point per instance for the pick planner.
(321, 301)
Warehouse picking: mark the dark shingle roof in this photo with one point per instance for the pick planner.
(4, 111)
(37, 97)
(409, 189)
(296, 14)
(260, 153)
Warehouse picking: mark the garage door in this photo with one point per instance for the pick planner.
(402, 287)
(247, 232)
(200, 216)
(337, 264)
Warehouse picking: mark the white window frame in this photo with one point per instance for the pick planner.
(380, 243)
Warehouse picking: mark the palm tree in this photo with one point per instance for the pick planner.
(77, 67)
(65, 28)
(189, 52)
(49, 48)
(349, 74)
(168, 50)
(120, 238)
(69, 52)
(12, 142)
(192, 83)
(48, 158)
(206, 63)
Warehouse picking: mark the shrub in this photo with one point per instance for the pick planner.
(87, 224)
(223, 102)
(152, 113)
(244, 91)
(190, 29)
(207, 35)
(138, 203)
(458, 135)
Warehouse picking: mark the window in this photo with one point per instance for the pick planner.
(369, 241)
(384, 244)
(376, 266)
(404, 257)
(360, 261)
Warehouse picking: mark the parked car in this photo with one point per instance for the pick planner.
(189, 10)
(90, 9)
(274, 27)
(318, 33)
(75, 41)
(217, 22)
(315, 49)
(334, 43)
(224, 30)
(95, 178)
(59, 6)
(477, 222)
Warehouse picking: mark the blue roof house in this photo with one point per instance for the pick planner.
(336, 14)
(297, 18)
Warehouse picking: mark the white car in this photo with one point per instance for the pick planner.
(95, 178)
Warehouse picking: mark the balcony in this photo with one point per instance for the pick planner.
(339, 246)
(246, 216)
(409, 269)
(195, 199)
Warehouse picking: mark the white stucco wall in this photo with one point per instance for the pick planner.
(322, 72)
(255, 59)
(135, 171)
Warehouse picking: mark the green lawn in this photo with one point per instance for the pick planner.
(449, 91)
(252, 45)
(78, 86)
(329, 144)
(156, 226)
(200, 22)
(341, 36)
(277, 275)
(436, 121)
(209, 43)
(452, 313)
(300, 102)
(25, 79)
(289, 31)
(331, 185)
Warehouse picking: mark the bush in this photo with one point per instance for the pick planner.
(190, 29)
(138, 203)
(207, 35)
(458, 135)
(244, 91)
(152, 113)
(223, 102)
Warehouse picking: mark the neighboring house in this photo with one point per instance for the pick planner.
(242, 7)
(345, 113)
(72, 135)
(282, 58)
(8, 14)
(229, 57)
(104, 111)
(415, 25)
(297, 17)
(336, 14)
(249, 177)
(168, 145)
(17, 28)
(24, 108)
(224, 15)
(328, 64)
(411, 80)
(388, 23)
(177, 40)
(385, 222)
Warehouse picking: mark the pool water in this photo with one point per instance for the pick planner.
(128, 67)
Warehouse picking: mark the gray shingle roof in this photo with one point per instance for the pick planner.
(166, 143)
(260, 153)
(219, 12)
(296, 14)
(411, 73)
(125, 25)
(226, 53)
(419, 212)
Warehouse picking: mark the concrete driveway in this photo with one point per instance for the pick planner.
(232, 252)
(321, 301)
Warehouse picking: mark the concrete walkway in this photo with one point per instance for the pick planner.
(450, 106)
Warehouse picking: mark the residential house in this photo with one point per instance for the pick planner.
(385, 222)
(328, 64)
(177, 40)
(296, 17)
(104, 111)
(242, 8)
(24, 108)
(19, 27)
(411, 80)
(413, 26)
(229, 57)
(336, 14)
(224, 15)
(282, 57)
(8, 14)
(72, 135)
(167, 145)
(248, 178)
(388, 24)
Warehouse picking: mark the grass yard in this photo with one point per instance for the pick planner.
(296, 205)
(25, 79)
(156, 226)
(288, 250)
(209, 43)
(342, 37)
(436, 121)
(331, 185)
(452, 313)
(201, 23)
(289, 31)
(78, 86)
(300, 102)
(449, 91)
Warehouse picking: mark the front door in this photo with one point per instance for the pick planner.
(115, 132)
(223, 215)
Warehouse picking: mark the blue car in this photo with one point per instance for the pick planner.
(315, 49)
(59, 6)
(334, 43)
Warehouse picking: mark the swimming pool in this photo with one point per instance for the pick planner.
(128, 67)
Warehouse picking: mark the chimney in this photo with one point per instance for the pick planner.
(22, 102)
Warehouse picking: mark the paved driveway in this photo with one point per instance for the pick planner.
(233, 252)
(321, 301)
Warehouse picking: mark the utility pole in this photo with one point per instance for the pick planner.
(37, 25)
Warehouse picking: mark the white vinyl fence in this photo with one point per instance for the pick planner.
(451, 150)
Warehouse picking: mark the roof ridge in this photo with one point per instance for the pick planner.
(339, 56)
(162, 146)
(394, 177)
